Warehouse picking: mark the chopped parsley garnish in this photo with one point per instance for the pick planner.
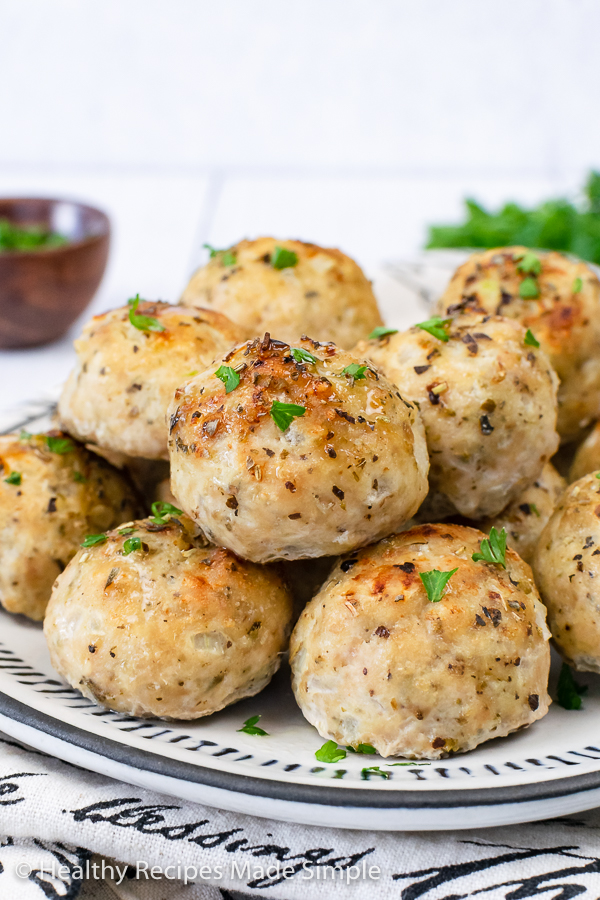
(283, 414)
(79, 478)
(577, 285)
(60, 445)
(250, 726)
(128, 530)
(568, 692)
(362, 748)
(530, 339)
(31, 237)
(142, 323)
(529, 289)
(374, 770)
(131, 545)
(25, 435)
(381, 331)
(13, 478)
(354, 371)
(229, 377)
(161, 510)
(283, 259)
(493, 548)
(534, 509)
(330, 752)
(225, 257)
(301, 355)
(91, 540)
(435, 583)
(528, 263)
(437, 327)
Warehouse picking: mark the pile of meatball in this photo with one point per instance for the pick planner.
(267, 455)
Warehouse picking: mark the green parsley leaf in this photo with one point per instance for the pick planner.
(534, 509)
(373, 770)
(354, 371)
(283, 259)
(92, 539)
(435, 583)
(437, 327)
(25, 435)
(381, 331)
(528, 263)
(493, 549)
(13, 478)
(132, 544)
(301, 355)
(161, 509)
(568, 692)
(128, 530)
(60, 445)
(529, 289)
(362, 748)
(249, 726)
(142, 323)
(225, 257)
(81, 479)
(577, 285)
(283, 414)
(598, 475)
(530, 339)
(30, 237)
(330, 752)
(229, 377)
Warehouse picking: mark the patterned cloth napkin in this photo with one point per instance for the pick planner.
(69, 833)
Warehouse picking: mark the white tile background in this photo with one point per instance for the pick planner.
(349, 122)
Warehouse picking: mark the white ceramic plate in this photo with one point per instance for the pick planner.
(550, 769)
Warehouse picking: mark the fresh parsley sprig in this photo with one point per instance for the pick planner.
(568, 692)
(283, 259)
(142, 323)
(302, 356)
(283, 414)
(366, 773)
(330, 753)
(435, 583)
(437, 327)
(225, 257)
(528, 263)
(229, 377)
(530, 339)
(13, 478)
(132, 545)
(381, 331)
(92, 540)
(60, 445)
(250, 726)
(493, 548)
(354, 371)
(161, 510)
(362, 748)
(529, 289)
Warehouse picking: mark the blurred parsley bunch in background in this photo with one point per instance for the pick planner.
(553, 225)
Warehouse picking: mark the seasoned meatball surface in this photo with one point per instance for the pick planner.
(374, 661)
(175, 629)
(587, 457)
(124, 378)
(53, 492)
(564, 317)
(488, 402)
(567, 571)
(525, 518)
(348, 470)
(325, 294)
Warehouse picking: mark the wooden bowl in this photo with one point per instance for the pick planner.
(43, 291)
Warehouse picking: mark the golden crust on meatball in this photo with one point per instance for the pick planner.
(375, 661)
(525, 518)
(324, 294)
(53, 492)
(173, 628)
(587, 457)
(559, 300)
(125, 376)
(488, 403)
(313, 453)
(567, 571)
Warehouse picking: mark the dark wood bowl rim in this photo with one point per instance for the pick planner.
(70, 245)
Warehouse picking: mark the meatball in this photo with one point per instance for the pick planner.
(376, 661)
(298, 452)
(525, 518)
(155, 622)
(558, 298)
(488, 402)
(53, 492)
(125, 375)
(587, 457)
(566, 565)
(288, 288)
